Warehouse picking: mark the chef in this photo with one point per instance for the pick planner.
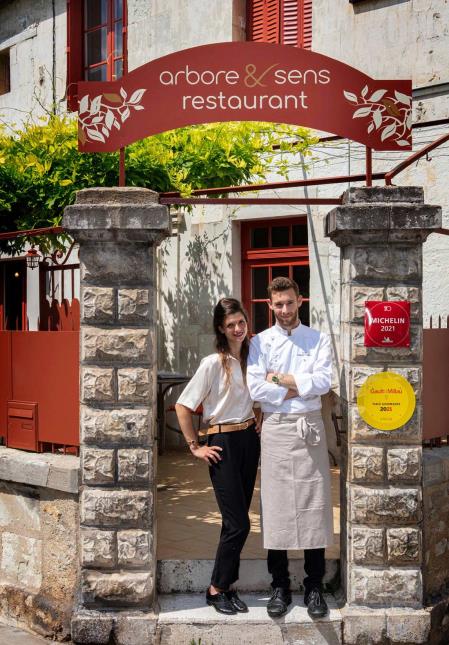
(289, 368)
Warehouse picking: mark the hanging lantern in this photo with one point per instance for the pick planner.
(32, 257)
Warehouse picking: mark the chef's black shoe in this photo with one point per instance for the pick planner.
(235, 601)
(278, 604)
(220, 602)
(316, 605)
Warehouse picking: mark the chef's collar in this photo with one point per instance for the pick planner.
(285, 332)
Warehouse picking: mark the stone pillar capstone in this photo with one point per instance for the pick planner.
(118, 230)
(380, 232)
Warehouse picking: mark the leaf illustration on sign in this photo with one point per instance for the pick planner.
(389, 113)
(106, 111)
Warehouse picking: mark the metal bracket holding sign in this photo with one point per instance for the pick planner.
(387, 323)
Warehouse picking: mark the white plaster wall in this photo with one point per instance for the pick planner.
(26, 29)
(162, 27)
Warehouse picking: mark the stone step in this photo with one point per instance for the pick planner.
(193, 576)
(185, 619)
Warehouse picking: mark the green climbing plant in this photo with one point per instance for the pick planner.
(41, 168)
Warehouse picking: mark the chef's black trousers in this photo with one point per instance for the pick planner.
(314, 566)
(233, 479)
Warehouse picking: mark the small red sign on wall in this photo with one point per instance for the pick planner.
(387, 324)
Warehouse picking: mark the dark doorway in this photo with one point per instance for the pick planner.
(13, 295)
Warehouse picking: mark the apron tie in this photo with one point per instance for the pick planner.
(309, 432)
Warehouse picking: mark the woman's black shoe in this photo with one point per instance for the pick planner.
(278, 604)
(236, 602)
(316, 605)
(220, 602)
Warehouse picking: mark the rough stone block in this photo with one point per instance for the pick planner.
(356, 376)
(98, 548)
(407, 626)
(116, 264)
(134, 465)
(389, 262)
(135, 627)
(134, 548)
(364, 626)
(116, 426)
(385, 587)
(404, 545)
(118, 345)
(368, 545)
(21, 561)
(115, 589)
(354, 349)
(97, 304)
(97, 466)
(404, 464)
(134, 305)
(116, 508)
(385, 505)
(134, 385)
(19, 510)
(367, 463)
(384, 195)
(97, 384)
(92, 627)
(359, 431)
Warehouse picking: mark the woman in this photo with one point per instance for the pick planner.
(233, 447)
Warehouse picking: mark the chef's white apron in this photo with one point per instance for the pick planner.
(295, 482)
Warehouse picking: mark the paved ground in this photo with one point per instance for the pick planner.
(14, 636)
(188, 521)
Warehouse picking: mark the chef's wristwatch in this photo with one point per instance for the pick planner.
(276, 379)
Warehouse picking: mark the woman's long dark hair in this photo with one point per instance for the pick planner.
(226, 307)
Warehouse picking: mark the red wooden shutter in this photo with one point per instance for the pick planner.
(290, 19)
(74, 51)
(263, 21)
(305, 40)
(296, 23)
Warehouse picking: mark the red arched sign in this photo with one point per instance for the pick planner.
(245, 82)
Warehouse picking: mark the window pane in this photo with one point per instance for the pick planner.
(118, 39)
(299, 236)
(96, 13)
(118, 9)
(301, 275)
(259, 282)
(279, 236)
(280, 271)
(96, 43)
(259, 238)
(260, 317)
(97, 74)
(118, 69)
(304, 313)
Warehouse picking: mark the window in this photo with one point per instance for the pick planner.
(96, 43)
(285, 22)
(270, 249)
(5, 86)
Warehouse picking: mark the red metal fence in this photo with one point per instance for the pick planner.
(436, 380)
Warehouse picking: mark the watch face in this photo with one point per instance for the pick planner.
(275, 379)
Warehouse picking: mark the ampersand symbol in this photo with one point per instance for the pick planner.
(251, 80)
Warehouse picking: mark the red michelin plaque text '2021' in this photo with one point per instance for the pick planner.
(387, 324)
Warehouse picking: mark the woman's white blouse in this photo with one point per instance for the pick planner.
(221, 403)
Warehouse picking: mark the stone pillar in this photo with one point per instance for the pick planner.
(380, 231)
(118, 230)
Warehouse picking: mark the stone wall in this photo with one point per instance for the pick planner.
(436, 523)
(38, 540)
